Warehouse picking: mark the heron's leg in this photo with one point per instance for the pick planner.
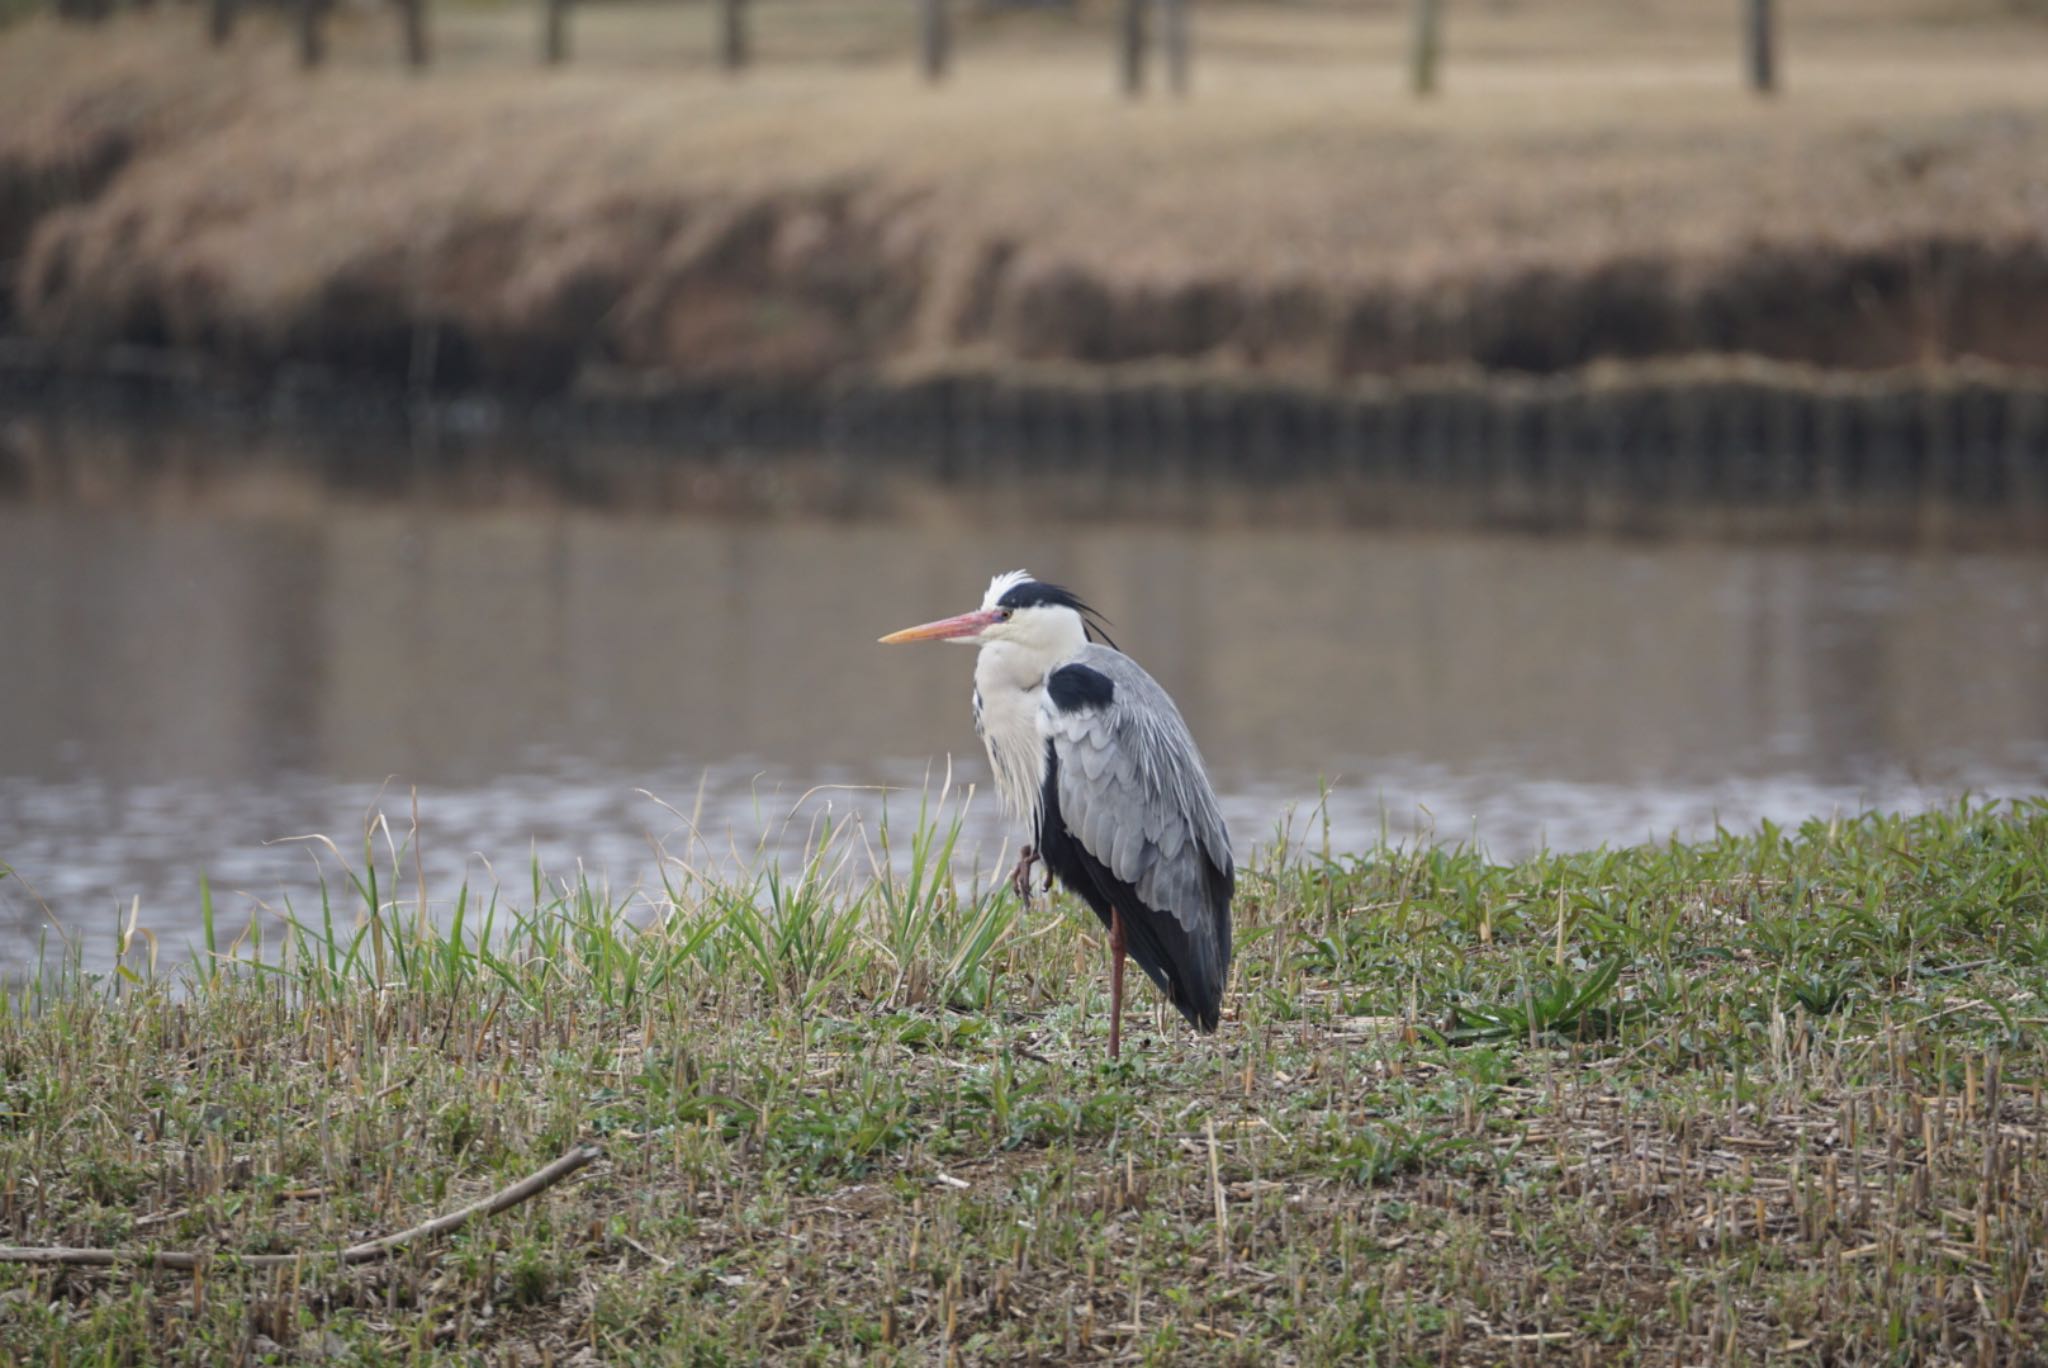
(1020, 877)
(1116, 980)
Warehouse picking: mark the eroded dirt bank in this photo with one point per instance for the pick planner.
(500, 230)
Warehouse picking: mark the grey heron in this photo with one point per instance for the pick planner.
(1093, 757)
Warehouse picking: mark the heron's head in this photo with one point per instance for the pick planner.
(1018, 610)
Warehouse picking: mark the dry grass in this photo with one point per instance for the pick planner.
(1775, 1098)
(1593, 181)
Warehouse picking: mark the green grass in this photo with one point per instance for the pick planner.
(1775, 1095)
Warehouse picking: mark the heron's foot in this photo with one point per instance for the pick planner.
(1020, 877)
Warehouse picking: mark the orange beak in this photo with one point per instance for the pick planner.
(947, 629)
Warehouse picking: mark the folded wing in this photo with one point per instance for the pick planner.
(1126, 787)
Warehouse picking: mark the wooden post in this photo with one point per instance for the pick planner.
(1423, 45)
(1762, 39)
(220, 22)
(1132, 48)
(733, 25)
(312, 37)
(413, 15)
(937, 38)
(1174, 37)
(554, 42)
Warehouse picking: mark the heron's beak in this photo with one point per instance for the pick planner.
(947, 629)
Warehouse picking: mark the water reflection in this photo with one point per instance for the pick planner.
(188, 681)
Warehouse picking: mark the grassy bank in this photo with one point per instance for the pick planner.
(1776, 1095)
(1592, 183)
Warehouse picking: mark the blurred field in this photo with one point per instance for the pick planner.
(1593, 182)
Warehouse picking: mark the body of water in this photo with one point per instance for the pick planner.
(187, 682)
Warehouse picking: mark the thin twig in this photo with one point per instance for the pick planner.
(368, 1252)
(652, 1257)
(1222, 1203)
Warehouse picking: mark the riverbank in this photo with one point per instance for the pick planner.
(1772, 1095)
(1584, 191)
(1735, 450)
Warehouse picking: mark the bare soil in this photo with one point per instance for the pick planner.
(1592, 183)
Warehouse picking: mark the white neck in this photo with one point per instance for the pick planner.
(1009, 680)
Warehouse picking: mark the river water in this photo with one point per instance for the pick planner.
(189, 681)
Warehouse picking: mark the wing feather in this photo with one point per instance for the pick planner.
(1134, 793)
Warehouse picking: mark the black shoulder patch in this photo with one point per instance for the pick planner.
(1074, 687)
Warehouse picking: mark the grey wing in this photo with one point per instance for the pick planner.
(1134, 793)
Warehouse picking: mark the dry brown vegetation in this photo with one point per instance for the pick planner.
(1775, 1099)
(1593, 182)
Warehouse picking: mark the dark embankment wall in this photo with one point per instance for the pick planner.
(1750, 449)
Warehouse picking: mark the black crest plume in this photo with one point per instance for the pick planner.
(1039, 594)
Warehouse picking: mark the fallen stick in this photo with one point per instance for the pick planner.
(368, 1252)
